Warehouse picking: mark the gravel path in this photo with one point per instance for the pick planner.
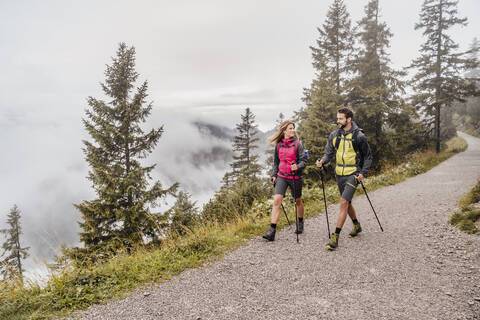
(419, 268)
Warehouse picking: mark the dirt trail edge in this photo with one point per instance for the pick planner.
(419, 268)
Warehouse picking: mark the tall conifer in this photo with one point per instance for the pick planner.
(245, 161)
(330, 59)
(439, 80)
(121, 215)
(376, 87)
(11, 267)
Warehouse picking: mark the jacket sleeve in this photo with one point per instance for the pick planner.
(276, 162)
(366, 154)
(301, 158)
(329, 148)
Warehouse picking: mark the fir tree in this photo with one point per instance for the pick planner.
(334, 46)
(120, 217)
(331, 63)
(376, 87)
(317, 119)
(11, 266)
(439, 81)
(245, 161)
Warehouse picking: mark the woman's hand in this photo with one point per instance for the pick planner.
(272, 180)
(294, 167)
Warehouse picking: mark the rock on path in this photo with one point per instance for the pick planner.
(419, 268)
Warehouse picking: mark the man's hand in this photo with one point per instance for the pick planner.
(272, 180)
(360, 177)
(319, 163)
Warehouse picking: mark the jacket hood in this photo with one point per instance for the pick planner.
(353, 128)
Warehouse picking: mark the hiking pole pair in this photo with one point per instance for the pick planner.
(364, 189)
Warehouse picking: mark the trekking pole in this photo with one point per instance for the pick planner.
(295, 200)
(283, 208)
(371, 205)
(325, 200)
(286, 216)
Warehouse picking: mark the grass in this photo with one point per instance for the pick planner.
(76, 289)
(468, 214)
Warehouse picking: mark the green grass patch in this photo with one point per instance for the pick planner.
(468, 214)
(76, 289)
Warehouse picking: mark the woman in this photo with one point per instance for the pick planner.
(288, 164)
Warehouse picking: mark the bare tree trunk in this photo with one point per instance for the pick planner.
(437, 128)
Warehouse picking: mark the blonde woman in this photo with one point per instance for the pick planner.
(288, 164)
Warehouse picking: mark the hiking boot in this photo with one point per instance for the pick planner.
(355, 231)
(333, 244)
(270, 235)
(300, 228)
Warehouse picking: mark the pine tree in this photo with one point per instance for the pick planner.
(439, 81)
(245, 162)
(317, 119)
(334, 46)
(326, 93)
(120, 217)
(11, 266)
(376, 87)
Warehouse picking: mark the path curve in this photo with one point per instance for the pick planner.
(419, 268)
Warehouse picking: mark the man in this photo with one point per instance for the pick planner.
(353, 159)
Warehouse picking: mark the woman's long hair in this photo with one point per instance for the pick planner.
(280, 134)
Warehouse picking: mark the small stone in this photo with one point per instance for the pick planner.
(448, 294)
(146, 294)
(471, 302)
(476, 299)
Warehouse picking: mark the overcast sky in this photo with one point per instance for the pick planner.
(203, 59)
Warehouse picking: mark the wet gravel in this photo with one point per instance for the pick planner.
(420, 267)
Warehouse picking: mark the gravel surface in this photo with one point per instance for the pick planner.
(419, 268)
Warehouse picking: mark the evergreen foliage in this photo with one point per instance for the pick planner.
(245, 161)
(467, 115)
(376, 89)
(121, 216)
(11, 265)
(183, 215)
(334, 46)
(439, 81)
(234, 201)
(330, 59)
(242, 185)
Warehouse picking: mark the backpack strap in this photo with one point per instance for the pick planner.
(337, 141)
(355, 140)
